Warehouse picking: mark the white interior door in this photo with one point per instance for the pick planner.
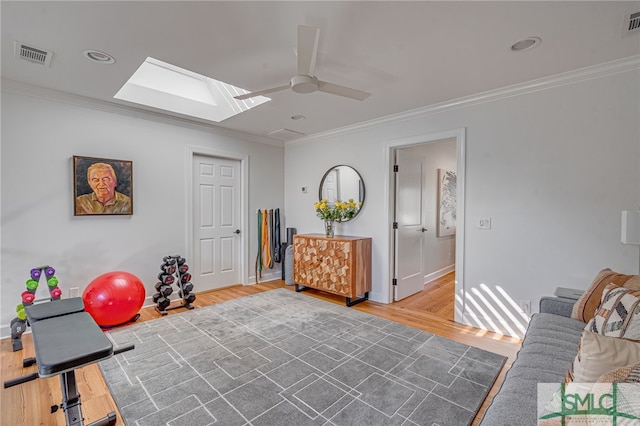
(216, 222)
(330, 187)
(408, 214)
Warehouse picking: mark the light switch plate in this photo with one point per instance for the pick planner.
(484, 223)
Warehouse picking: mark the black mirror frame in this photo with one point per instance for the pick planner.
(361, 188)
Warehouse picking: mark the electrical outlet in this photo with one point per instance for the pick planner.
(74, 292)
(525, 305)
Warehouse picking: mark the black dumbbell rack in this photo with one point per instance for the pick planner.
(173, 270)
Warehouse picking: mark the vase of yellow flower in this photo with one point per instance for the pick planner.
(329, 228)
(336, 211)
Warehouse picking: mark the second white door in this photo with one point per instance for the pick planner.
(410, 226)
(216, 223)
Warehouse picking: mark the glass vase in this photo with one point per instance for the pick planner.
(329, 228)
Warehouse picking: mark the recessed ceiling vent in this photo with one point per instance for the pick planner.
(632, 23)
(33, 54)
(285, 134)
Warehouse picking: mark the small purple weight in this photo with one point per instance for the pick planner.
(35, 274)
(49, 271)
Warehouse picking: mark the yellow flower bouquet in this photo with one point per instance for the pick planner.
(336, 211)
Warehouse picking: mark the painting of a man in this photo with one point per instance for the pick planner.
(98, 191)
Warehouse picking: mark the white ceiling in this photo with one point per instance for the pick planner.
(407, 54)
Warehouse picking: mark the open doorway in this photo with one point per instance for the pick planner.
(427, 186)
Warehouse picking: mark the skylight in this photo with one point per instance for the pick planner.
(168, 87)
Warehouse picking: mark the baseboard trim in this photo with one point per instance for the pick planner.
(266, 277)
(439, 273)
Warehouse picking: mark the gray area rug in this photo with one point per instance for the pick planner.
(284, 358)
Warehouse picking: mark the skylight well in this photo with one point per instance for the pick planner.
(168, 87)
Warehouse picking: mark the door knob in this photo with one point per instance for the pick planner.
(424, 230)
(237, 231)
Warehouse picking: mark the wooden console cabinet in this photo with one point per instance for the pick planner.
(339, 265)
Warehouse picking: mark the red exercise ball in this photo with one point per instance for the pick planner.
(114, 298)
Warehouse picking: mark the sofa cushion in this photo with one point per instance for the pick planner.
(586, 306)
(549, 347)
(618, 314)
(598, 354)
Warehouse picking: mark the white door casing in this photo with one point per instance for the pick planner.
(460, 136)
(216, 223)
(409, 233)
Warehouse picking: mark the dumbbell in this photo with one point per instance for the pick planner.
(21, 313)
(165, 290)
(49, 272)
(181, 260)
(32, 285)
(35, 274)
(55, 293)
(189, 298)
(28, 297)
(52, 282)
(166, 278)
(163, 302)
(183, 268)
(187, 287)
(185, 278)
(168, 269)
(169, 260)
(156, 297)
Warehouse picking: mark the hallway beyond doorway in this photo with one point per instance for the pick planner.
(437, 297)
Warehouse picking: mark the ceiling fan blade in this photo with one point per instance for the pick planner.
(260, 92)
(307, 49)
(347, 92)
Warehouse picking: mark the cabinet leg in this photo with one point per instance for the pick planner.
(356, 301)
(299, 288)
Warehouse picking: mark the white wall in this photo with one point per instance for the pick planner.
(40, 136)
(552, 165)
(439, 251)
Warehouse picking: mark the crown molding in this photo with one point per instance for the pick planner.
(20, 88)
(631, 63)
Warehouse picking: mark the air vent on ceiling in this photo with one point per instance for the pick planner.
(285, 134)
(32, 54)
(632, 23)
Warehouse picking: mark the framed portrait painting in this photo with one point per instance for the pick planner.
(102, 186)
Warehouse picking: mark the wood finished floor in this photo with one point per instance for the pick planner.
(29, 404)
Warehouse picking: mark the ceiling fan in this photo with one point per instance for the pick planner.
(304, 81)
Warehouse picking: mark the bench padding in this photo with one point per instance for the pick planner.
(68, 342)
(54, 308)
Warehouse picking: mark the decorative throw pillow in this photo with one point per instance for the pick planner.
(627, 374)
(618, 314)
(599, 354)
(586, 306)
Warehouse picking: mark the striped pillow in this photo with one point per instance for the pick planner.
(587, 304)
(618, 314)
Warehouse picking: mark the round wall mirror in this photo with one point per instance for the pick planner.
(342, 183)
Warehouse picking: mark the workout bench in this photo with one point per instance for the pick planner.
(62, 344)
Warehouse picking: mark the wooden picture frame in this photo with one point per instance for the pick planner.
(102, 186)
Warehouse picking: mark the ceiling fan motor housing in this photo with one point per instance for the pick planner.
(304, 84)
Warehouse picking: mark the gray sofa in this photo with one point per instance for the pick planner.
(548, 349)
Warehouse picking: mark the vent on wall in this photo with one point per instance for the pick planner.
(32, 54)
(632, 23)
